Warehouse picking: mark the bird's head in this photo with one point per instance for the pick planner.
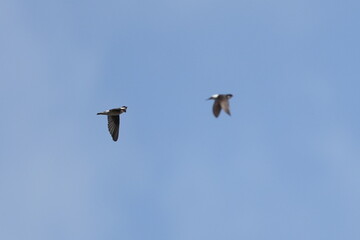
(228, 96)
(123, 108)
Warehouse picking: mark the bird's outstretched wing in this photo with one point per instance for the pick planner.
(216, 108)
(225, 106)
(114, 125)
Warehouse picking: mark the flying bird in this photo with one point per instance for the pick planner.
(114, 120)
(221, 102)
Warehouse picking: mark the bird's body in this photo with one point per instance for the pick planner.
(221, 101)
(114, 120)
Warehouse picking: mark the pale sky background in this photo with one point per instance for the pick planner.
(285, 165)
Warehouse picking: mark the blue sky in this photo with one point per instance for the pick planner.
(285, 165)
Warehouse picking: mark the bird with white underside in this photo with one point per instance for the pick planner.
(114, 120)
(221, 102)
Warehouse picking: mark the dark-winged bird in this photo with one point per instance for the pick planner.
(114, 120)
(221, 102)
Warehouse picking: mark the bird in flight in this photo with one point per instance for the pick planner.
(221, 102)
(114, 120)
